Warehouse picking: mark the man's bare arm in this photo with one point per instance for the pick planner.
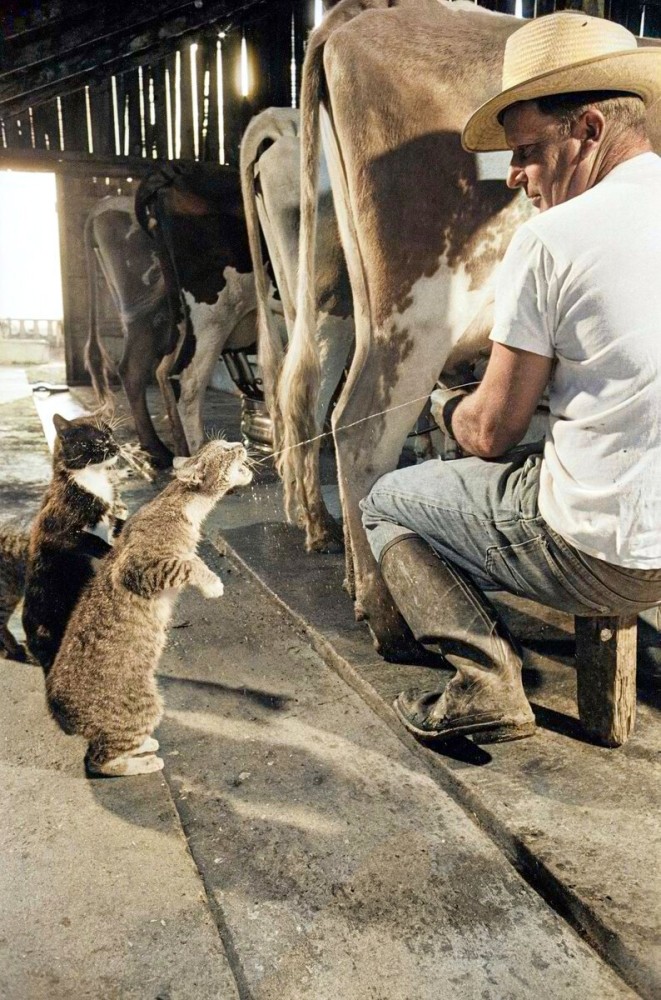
(495, 417)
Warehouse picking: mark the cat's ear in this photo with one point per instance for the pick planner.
(189, 472)
(61, 424)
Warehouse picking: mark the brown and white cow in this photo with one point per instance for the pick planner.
(194, 214)
(270, 158)
(423, 225)
(126, 257)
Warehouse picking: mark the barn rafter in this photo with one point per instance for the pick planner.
(98, 46)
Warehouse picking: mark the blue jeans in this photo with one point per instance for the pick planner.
(483, 517)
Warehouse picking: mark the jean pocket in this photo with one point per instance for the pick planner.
(517, 567)
(576, 578)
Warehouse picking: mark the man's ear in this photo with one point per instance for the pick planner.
(61, 424)
(591, 129)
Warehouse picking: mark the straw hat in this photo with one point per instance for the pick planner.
(560, 54)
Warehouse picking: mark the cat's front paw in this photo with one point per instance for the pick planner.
(212, 588)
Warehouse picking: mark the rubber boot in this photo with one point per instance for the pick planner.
(442, 605)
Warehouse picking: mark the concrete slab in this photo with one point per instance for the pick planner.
(25, 464)
(582, 822)
(23, 352)
(338, 865)
(100, 897)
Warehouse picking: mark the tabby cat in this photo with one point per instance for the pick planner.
(102, 683)
(77, 523)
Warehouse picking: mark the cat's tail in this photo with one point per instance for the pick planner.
(97, 360)
(14, 547)
(14, 544)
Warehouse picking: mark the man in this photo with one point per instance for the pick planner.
(578, 308)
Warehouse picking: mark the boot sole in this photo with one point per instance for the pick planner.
(482, 732)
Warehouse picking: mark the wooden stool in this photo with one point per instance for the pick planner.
(606, 677)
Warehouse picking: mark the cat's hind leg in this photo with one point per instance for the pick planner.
(113, 758)
(149, 745)
(125, 766)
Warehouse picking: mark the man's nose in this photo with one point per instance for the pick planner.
(515, 176)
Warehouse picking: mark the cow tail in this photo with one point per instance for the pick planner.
(98, 362)
(298, 389)
(269, 342)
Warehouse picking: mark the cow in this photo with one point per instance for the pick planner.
(113, 238)
(391, 84)
(194, 214)
(270, 156)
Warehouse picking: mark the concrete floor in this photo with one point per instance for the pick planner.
(298, 843)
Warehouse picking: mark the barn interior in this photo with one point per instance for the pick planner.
(93, 96)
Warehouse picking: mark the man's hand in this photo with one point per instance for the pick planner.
(443, 404)
(494, 418)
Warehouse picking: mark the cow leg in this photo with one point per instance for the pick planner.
(366, 451)
(135, 370)
(224, 327)
(169, 401)
(334, 340)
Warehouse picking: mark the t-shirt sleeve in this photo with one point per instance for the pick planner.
(523, 313)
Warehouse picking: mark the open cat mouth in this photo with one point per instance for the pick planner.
(242, 473)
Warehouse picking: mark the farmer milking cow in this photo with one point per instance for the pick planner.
(577, 307)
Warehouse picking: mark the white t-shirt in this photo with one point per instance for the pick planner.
(581, 283)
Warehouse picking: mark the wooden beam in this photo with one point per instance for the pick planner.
(606, 677)
(78, 23)
(41, 18)
(78, 164)
(125, 49)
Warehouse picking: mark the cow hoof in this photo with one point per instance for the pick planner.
(161, 459)
(328, 536)
(327, 545)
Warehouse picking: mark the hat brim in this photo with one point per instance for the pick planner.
(636, 71)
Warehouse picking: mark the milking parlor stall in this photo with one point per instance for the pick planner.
(255, 222)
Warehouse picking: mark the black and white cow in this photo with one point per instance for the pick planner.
(115, 241)
(194, 214)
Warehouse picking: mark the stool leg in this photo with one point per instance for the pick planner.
(606, 677)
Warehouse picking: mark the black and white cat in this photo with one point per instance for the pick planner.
(80, 516)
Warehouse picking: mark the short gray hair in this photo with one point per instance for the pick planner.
(625, 111)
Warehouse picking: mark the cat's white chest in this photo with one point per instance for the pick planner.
(103, 529)
(96, 480)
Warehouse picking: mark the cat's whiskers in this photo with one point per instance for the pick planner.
(121, 420)
(214, 434)
(136, 459)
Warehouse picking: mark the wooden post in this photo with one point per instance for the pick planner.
(606, 677)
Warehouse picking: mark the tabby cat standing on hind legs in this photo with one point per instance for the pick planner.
(102, 683)
(79, 518)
